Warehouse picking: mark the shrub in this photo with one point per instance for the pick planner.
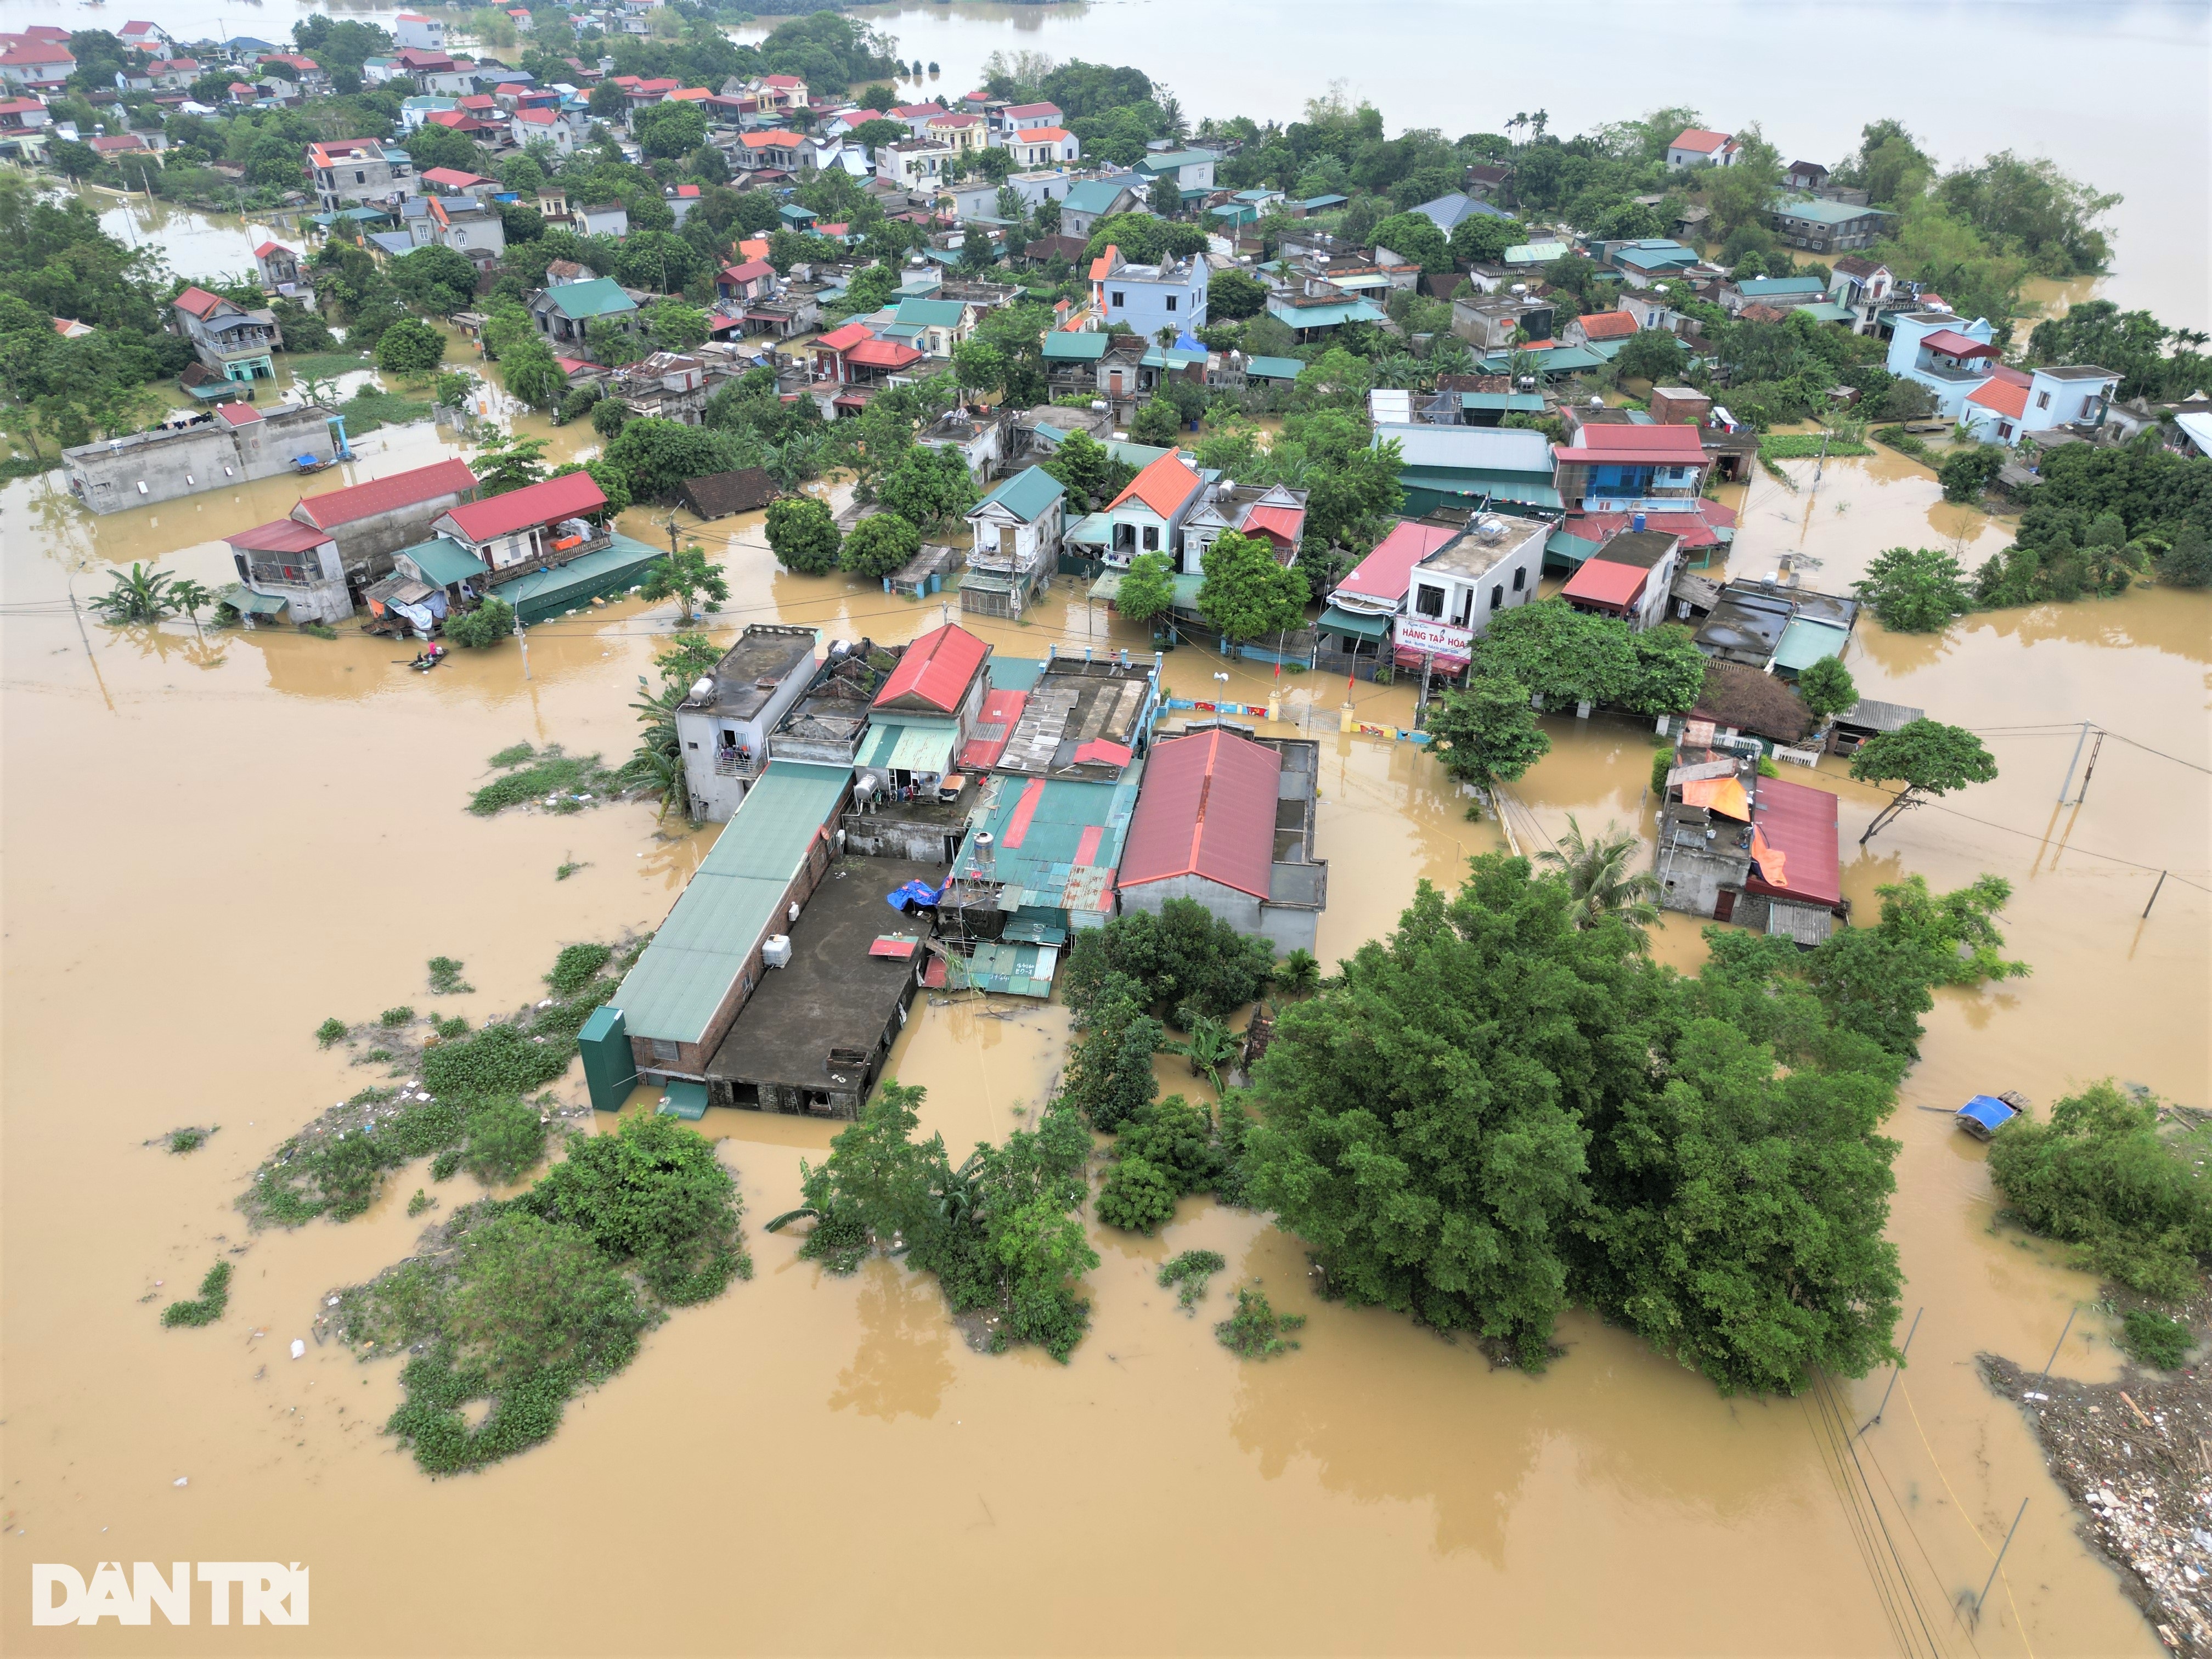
(2099, 1177)
(1255, 1330)
(492, 621)
(1138, 1197)
(410, 347)
(446, 977)
(577, 966)
(190, 1139)
(2156, 1340)
(332, 1029)
(394, 1017)
(802, 534)
(1188, 1274)
(506, 1138)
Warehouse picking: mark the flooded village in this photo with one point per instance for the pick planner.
(1537, 800)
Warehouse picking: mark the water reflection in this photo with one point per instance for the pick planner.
(904, 1362)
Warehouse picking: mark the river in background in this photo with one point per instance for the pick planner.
(210, 844)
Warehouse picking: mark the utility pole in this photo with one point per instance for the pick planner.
(2096, 749)
(1998, 1562)
(2154, 892)
(1896, 1371)
(2065, 788)
(525, 640)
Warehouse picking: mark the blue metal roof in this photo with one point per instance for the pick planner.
(1988, 1111)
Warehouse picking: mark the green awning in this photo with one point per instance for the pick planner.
(1334, 621)
(247, 603)
(1092, 530)
(683, 1100)
(894, 747)
(443, 561)
(1804, 643)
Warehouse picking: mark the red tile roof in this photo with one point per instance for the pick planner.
(845, 338)
(1794, 842)
(1001, 710)
(1607, 325)
(1600, 581)
(935, 670)
(2002, 396)
(1385, 573)
(238, 414)
(197, 302)
(268, 248)
(1285, 523)
(1163, 486)
(1632, 446)
(283, 536)
(1699, 138)
(1207, 808)
(564, 497)
(365, 500)
(883, 354)
(751, 272)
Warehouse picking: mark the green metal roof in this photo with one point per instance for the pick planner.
(1828, 311)
(244, 600)
(1048, 820)
(1061, 346)
(1274, 368)
(1022, 970)
(681, 982)
(1524, 403)
(1804, 643)
(1530, 489)
(602, 297)
(1092, 195)
(1029, 495)
(544, 594)
(931, 314)
(1330, 316)
(1820, 212)
(443, 561)
(1015, 673)
(893, 745)
(1536, 253)
(1152, 165)
(1772, 288)
(1170, 357)
(1334, 621)
(1091, 530)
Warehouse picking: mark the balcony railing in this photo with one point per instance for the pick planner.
(736, 763)
(1949, 372)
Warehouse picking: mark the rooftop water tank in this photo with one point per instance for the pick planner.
(775, 950)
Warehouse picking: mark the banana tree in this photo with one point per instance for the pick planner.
(142, 596)
(1210, 1046)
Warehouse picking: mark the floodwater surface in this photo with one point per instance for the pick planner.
(213, 843)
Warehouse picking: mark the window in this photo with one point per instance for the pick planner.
(360, 178)
(664, 1049)
(1520, 577)
(1429, 601)
(1171, 299)
(1116, 297)
(1151, 539)
(1497, 597)
(2043, 400)
(2004, 428)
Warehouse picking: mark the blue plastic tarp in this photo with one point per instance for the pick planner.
(914, 893)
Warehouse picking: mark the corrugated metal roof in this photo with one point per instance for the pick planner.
(1600, 581)
(1384, 573)
(1207, 808)
(1494, 448)
(1028, 494)
(685, 974)
(1794, 842)
(1066, 840)
(935, 670)
(365, 500)
(443, 561)
(568, 496)
(1081, 346)
(1805, 642)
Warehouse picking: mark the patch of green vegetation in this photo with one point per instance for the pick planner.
(190, 1138)
(450, 1028)
(374, 1057)
(553, 777)
(368, 409)
(524, 1303)
(1804, 445)
(513, 755)
(446, 977)
(1255, 1330)
(420, 1202)
(323, 365)
(2100, 1177)
(1165, 1150)
(1905, 443)
(577, 966)
(506, 1139)
(1188, 1274)
(2155, 1339)
(332, 1029)
(446, 1164)
(391, 1018)
(214, 1298)
(1001, 1233)
(566, 869)
(320, 630)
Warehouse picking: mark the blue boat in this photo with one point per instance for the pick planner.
(1985, 1114)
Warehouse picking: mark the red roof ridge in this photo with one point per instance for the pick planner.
(408, 488)
(564, 497)
(1148, 485)
(936, 668)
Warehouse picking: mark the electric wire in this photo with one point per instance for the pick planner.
(1854, 1520)
(1823, 1394)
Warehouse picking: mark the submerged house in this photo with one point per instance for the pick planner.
(1227, 820)
(1430, 588)
(1761, 852)
(924, 714)
(372, 521)
(723, 724)
(1017, 529)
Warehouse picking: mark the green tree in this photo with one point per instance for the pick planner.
(1089, 470)
(2187, 562)
(1147, 588)
(1486, 731)
(675, 129)
(1914, 590)
(1246, 593)
(1231, 295)
(879, 545)
(675, 326)
(1929, 757)
(438, 279)
(2100, 1177)
(1602, 881)
(1827, 689)
(981, 365)
(802, 534)
(512, 464)
(409, 348)
(1183, 959)
(1414, 236)
(930, 484)
(533, 375)
(611, 483)
(1479, 239)
(683, 576)
(1650, 354)
(1156, 423)
(1108, 1078)
(657, 455)
(489, 623)
(652, 1194)
(1966, 473)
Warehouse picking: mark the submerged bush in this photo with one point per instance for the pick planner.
(214, 1298)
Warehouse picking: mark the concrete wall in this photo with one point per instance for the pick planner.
(369, 543)
(715, 796)
(108, 476)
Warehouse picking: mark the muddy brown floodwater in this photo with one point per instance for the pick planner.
(210, 845)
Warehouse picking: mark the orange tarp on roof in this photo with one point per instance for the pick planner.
(1772, 865)
(1726, 796)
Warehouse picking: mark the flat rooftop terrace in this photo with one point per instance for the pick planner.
(834, 996)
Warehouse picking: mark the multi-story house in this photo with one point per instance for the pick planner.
(228, 338)
(412, 29)
(348, 171)
(2012, 404)
(1824, 227)
(665, 386)
(1017, 541)
(958, 131)
(1192, 169)
(1084, 205)
(1149, 298)
(777, 150)
(1697, 147)
(37, 65)
(1943, 352)
(917, 166)
(1043, 147)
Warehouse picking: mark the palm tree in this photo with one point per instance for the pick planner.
(1210, 1046)
(1600, 882)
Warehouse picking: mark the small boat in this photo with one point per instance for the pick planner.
(303, 464)
(427, 660)
(1985, 1114)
